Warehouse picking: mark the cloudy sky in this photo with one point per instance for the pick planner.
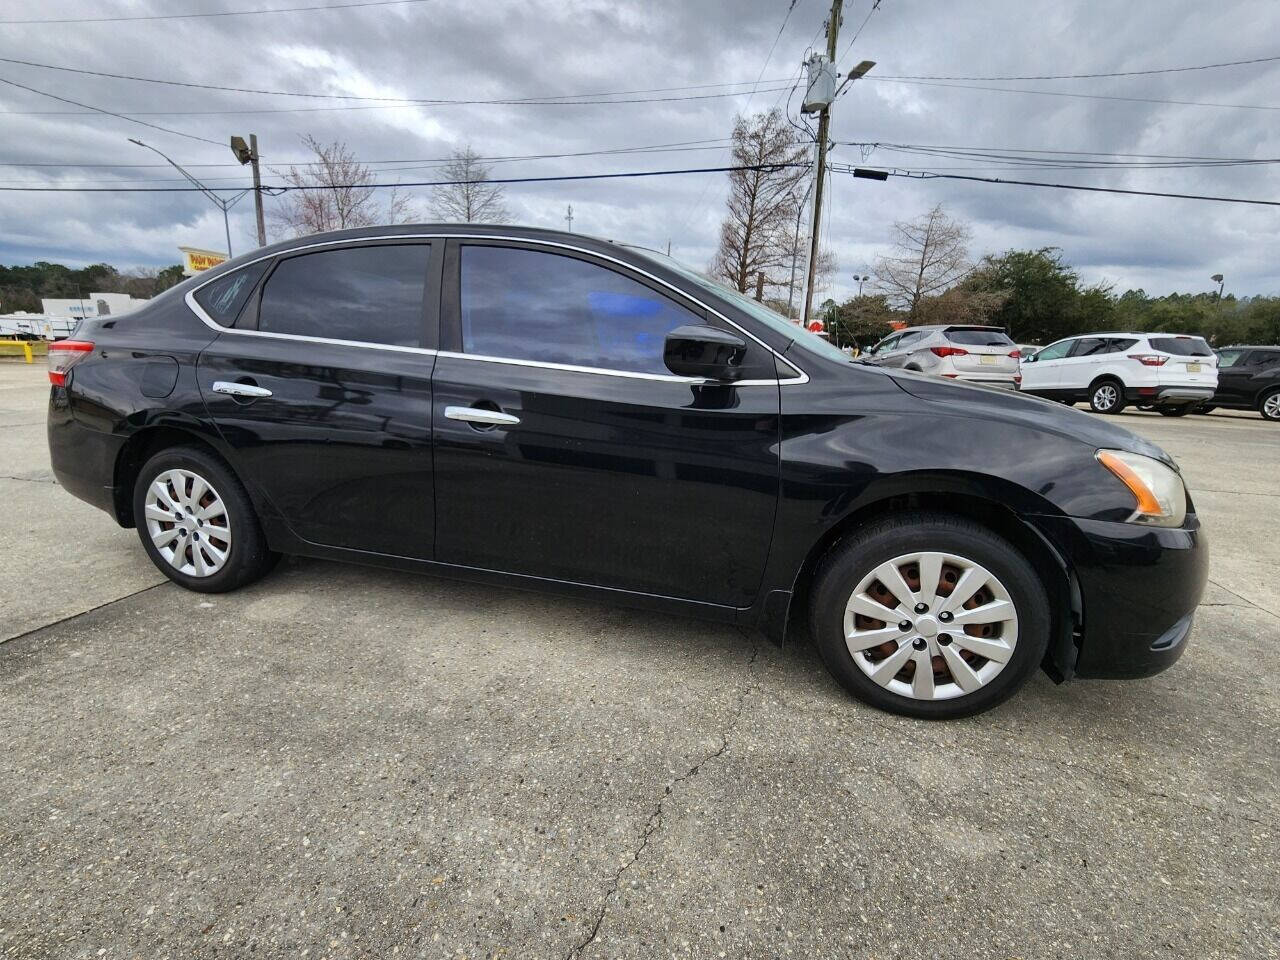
(475, 50)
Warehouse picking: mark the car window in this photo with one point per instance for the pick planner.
(1231, 358)
(979, 338)
(1089, 347)
(912, 338)
(1120, 344)
(887, 344)
(368, 294)
(1263, 358)
(1054, 351)
(1181, 346)
(531, 305)
(224, 298)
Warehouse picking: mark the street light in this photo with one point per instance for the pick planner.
(861, 281)
(1217, 278)
(222, 203)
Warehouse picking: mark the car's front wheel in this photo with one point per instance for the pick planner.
(1269, 405)
(929, 615)
(196, 522)
(1106, 396)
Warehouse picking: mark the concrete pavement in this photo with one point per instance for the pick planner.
(339, 762)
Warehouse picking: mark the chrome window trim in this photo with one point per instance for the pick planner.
(189, 297)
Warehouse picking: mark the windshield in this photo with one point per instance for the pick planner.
(775, 321)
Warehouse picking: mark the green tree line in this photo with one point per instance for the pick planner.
(22, 287)
(1038, 298)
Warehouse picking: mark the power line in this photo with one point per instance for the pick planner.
(1057, 160)
(216, 13)
(641, 148)
(109, 113)
(924, 175)
(546, 99)
(1092, 76)
(282, 188)
(1032, 150)
(875, 5)
(1077, 96)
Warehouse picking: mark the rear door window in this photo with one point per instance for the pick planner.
(366, 294)
(1089, 347)
(1055, 351)
(1182, 346)
(530, 305)
(979, 338)
(1120, 344)
(224, 298)
(1263, 358)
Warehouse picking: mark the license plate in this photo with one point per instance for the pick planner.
(987, 358)
(1193, 368)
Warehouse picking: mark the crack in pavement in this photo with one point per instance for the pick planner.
(1246, 600)
(654, 822)
(82, 613)
(30, 479)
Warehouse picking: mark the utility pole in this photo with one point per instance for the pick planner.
(248, 153)
(568, 218)
(824, 126)
(820, 165)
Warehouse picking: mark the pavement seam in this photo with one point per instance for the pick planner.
(72, 616)
(1239, 597)
(654, 822)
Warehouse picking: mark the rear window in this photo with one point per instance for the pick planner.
(979, 338)
(1182, 346)
(224, 298)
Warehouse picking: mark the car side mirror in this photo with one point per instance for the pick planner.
(704, 351)
(1027, 358)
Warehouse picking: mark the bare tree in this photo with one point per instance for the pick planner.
(468, 197)
(929, 255)
(757, 235)
(334, 192)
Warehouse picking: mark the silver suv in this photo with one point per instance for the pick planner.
(954, 351)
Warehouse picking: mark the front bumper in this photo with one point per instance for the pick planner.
(1139, 589)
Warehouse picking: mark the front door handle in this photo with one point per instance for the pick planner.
(490, 418)
(240, 389)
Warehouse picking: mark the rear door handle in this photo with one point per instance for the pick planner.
(480, 415)
(240, 389)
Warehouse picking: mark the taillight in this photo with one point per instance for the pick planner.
(1016, 354)
(65, 354)
(949, 351)
(1149, 359)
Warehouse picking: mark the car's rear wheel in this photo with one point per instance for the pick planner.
(1269, 405)
(930, 615)
(1106, 396)
(1206, 408)
(196, 522)
(1181, 411)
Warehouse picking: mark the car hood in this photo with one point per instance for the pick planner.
(1024, 410)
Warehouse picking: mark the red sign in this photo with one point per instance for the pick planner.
(815, 326)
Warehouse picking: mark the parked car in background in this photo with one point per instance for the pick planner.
(1170, 373)
(1248, 379)
(976, 354)
(545, 410)
(1027, 350)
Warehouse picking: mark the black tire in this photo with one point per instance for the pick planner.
(858, 555)
(1206, 408)
(1106, 396)
(1181, 411)
(248, 557)
(1270, 397)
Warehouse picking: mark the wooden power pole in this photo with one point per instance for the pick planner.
(257, 189)
(824, 126)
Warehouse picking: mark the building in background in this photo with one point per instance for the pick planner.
(90, 305)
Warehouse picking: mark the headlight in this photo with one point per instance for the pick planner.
(1162, 498)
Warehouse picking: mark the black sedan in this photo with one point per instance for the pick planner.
(1248, 379)
(543, 410)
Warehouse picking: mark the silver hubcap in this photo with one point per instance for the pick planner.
(188, 523)
(931, 626)
(1105, 397)
(1272, 407)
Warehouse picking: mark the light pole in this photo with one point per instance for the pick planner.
(1217, 278)
(221, 203)
(861, 281)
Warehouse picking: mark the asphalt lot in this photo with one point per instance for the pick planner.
(339, 762)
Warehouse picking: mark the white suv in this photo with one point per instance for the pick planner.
(975, 354)
(1172, 373)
